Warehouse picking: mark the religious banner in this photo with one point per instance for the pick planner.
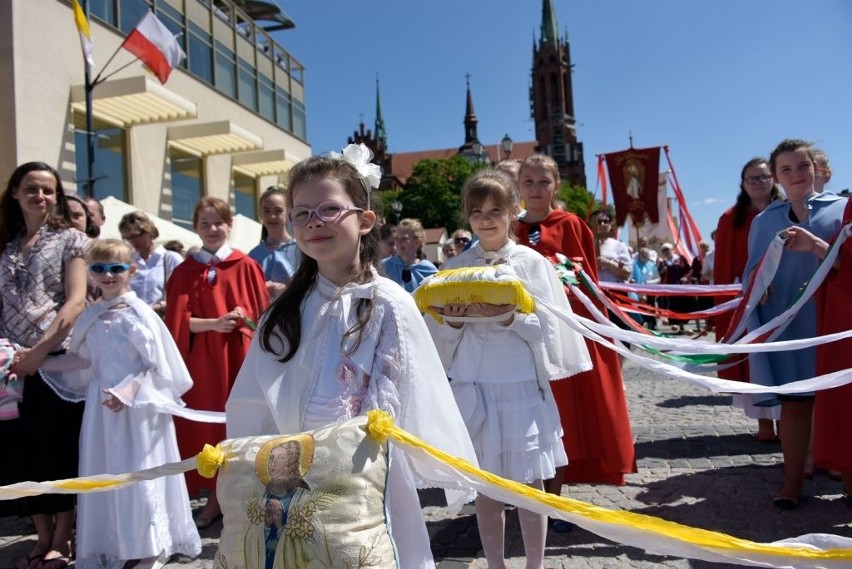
(633, 176)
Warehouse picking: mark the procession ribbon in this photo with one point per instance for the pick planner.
(777, 325)
(638, 307)
(759, 281)
(564, 267)
(649, 533)
(674, 290)
(585, 327)
(643, 339)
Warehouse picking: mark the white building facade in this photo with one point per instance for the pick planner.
(228, 123)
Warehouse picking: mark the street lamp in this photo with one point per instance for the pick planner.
(396, 206)
(506, 144)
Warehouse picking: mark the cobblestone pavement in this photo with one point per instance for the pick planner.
(699, 464)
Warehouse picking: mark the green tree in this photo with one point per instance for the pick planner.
(433, 192)
(578, 200)
(383, 204)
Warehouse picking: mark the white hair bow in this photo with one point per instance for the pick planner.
(359, 156)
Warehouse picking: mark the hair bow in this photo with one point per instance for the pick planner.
(359, 156)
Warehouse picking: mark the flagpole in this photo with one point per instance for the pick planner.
(90, 123)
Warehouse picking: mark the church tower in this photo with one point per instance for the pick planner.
(472, 149)
(552, 100)
(376, 140)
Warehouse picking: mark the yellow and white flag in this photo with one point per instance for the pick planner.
(85, 34)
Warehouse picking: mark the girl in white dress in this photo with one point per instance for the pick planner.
(123, 362)
(502, 364)
(341, 340)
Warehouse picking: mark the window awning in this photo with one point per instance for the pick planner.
(262, 163)
(222, 137)
(133, 101)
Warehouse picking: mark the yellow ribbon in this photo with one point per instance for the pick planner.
(209, 460)
(379, 425)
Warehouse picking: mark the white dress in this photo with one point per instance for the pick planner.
(395, 368)
(501, 374)
(126, 355)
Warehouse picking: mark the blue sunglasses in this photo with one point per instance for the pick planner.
(114, 268)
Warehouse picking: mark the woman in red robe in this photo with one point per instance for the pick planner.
(592, 405)
(213, 296)
(757, 190)
(832, 436)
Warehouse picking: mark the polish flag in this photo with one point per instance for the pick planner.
(153, 43)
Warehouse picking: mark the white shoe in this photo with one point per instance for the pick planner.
(153, 562)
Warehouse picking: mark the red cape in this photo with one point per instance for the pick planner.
(213, 359)
(832, 417)
(592, 404)
(728, 265)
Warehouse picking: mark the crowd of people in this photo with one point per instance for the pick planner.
(320, 313)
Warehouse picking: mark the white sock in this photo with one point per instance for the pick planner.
(534, 532)
(491, 522)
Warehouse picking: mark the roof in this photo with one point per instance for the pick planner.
(402, 163)
(435, 235)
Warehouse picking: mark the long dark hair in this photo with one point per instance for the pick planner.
(282, 326)
(270, 191)
(743, 205)
(92, 231)
(11, 215)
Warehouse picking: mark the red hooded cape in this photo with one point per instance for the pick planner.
(592, 405)
(213, 359)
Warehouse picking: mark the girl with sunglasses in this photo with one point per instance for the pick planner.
(123, 363)
(342, 340)
(214, 297)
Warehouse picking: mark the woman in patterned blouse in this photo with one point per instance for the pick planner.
(43, 290)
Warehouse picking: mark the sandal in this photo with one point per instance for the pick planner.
(29, 562)
(204, 521)
(60, 562)
(785, 503)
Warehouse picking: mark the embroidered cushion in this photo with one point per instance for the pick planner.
(313, 500)
(490, 284)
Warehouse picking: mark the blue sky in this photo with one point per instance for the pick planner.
(718, 81)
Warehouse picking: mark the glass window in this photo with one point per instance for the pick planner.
(187, 184)
(266, 98)
(248, 84)
(282, 101)
(104, 10)
(226, 72)
(130, 12)
(173, 20)
(245, 198)
(200, 53)
(299, 127)
(297, 72)
(108, 164)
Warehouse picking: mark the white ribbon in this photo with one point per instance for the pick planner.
(359, 156)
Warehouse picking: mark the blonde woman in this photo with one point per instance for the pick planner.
(408, 268)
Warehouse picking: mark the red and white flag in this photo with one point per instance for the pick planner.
(153, 43)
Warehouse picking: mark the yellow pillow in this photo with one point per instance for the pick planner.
(491, 284)
(315, 499)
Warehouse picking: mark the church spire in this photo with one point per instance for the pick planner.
(549, 30)
(470, 121)
(381, 134)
